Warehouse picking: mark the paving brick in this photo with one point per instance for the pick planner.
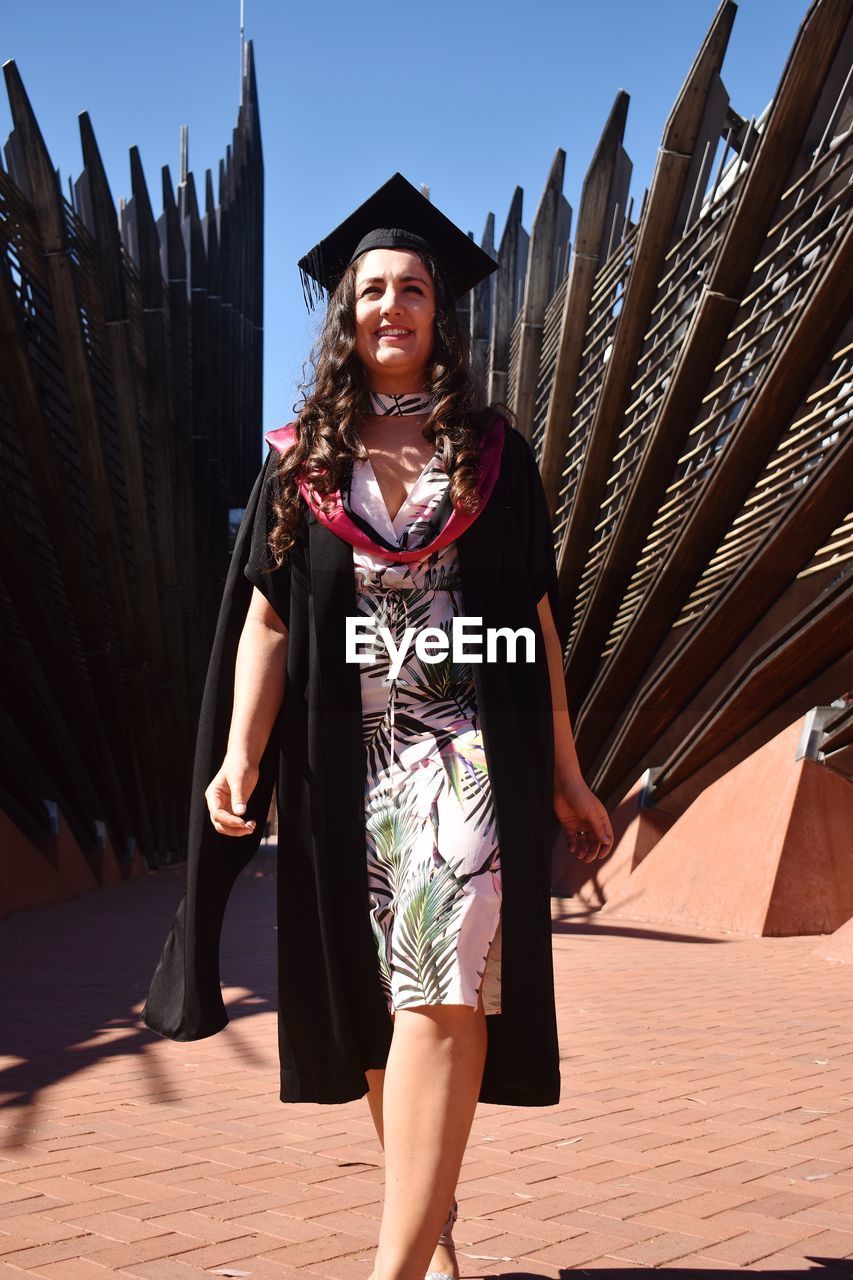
(248, 1205)
(355, 1224)
(706, 1267)
(338, 1245)
(112, 1254)
(604, 1171)
(163, 1269)
(355, 1268)
(505, 1246)
(72, 1269)
(666, 1247)
(630, 1229)
(155, 1208)
(678, 1218)
(39, 1228)
(790, 1266)
(832, 1244)
(549, 1230)
(631, 1203)
(289, 1229)
(782, 1204)
(785, 1228)
(749, 1247)
(841, 1204)
(576, 1251)
(14, 1244)
(35, 1255)
(114, 1225)
(15, 1200)
(265, 1269)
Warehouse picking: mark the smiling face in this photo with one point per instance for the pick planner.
(394, 319)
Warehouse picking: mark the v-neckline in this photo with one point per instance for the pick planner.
(392, 520)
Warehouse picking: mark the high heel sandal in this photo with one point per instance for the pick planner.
(446, 1238)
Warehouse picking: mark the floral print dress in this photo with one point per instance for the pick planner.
(432, 846)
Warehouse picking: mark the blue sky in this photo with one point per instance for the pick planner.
(469, 97)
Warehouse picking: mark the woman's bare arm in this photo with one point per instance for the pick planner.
(566, 766)
(582, 816)
(259, 679)
(259, 676)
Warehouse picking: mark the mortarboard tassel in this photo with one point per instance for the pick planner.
(311, 273)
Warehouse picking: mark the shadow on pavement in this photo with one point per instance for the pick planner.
(591, 922)
(830, 1267)
(76, 973)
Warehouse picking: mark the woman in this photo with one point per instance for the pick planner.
(416, 782)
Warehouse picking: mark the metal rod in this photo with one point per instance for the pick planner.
(242, 52)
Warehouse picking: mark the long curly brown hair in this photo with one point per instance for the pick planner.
(337, 396)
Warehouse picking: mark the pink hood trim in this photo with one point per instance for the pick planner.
(283, 438)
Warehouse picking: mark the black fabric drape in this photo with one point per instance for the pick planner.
(333, 1019)
(185, 998)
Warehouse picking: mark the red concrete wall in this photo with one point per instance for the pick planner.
(33, 875)
(27, 878)
(764, 850)
(838, 946)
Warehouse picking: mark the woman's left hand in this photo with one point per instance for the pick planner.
(584, 820)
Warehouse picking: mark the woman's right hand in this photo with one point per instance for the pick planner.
(227, 795)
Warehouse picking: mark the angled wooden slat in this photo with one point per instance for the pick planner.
(532, 316)
(156, 327)
(251, 279)
(63, 774)
(548, 360)
(125, 389)
(481, 316)
(596, 209)
(655, 235)
(838, 730)
(503, 313)
(145, 679)
(173, 260)
(605, 305)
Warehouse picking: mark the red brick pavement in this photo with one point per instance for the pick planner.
(706, 1124)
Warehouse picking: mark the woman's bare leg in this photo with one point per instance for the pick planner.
(442, 1258)
(428, 1098)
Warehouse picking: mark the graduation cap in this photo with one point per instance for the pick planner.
(396, 216)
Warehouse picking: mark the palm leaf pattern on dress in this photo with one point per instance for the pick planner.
(391, 827)
(490, 864)
(446, 687)
(425, 938)
(383, 943)
(438, 576)
(467, 772)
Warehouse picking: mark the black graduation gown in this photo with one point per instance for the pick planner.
(333, 1019)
